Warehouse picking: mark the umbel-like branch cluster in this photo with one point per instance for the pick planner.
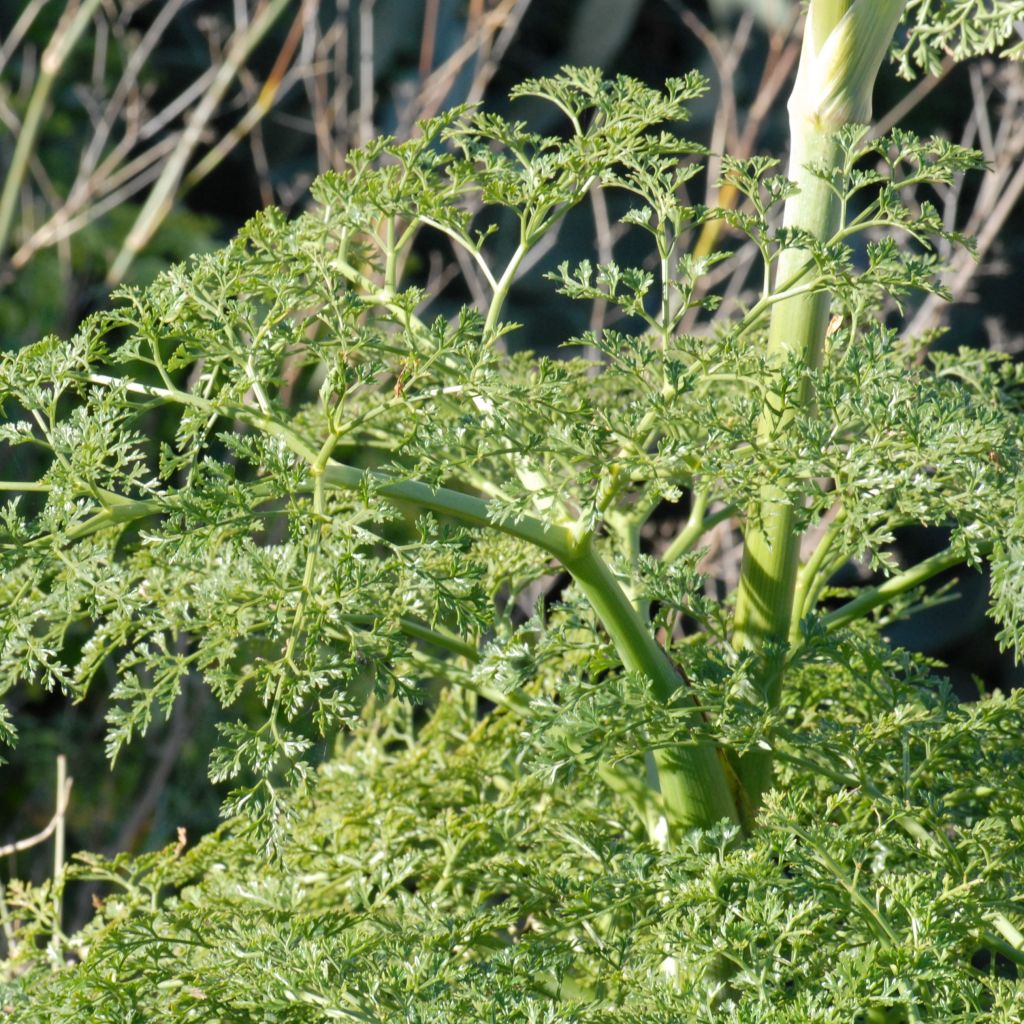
(272, 471)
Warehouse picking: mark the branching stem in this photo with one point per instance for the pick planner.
(834, 83)
(875, 597)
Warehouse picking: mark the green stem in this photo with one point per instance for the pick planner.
(391, 266)
(764, 603)
(437, 636)
(766, 593)
(694, 784)
(810, 578)
(874, 597)
(558, 541)
(844, 44)
(463, 242)
(502, 287)
(531, 230)
(694, 777)
(59, 850)
(695, 528)
(25, 486)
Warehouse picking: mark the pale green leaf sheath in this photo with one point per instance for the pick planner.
(844, 46)
(845, 42)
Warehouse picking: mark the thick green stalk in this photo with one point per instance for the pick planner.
(765, 599)
(844, 44)
(694, 784)
(693, 777)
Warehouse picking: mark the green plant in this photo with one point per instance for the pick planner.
(94, 102)
(626, 801)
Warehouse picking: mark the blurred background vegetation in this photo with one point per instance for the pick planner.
(136, 132)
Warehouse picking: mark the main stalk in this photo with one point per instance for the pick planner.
(844, 44)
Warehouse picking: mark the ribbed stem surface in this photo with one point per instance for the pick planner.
(844, 44)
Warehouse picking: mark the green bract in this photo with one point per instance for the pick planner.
(627, 801)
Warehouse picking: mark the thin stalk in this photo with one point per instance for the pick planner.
(24, 486)
(391, 265)
(558, 540)
(501, 288)
(694, 529)
(69, 29)
(472, 250)
(59, 849)
(874, 597)
(437, 636)
(807, 584)
(531, 230)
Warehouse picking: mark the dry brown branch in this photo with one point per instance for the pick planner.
(893, 117)
(158, 202)
(998, 91)
(367, 95)
(55, 824)
(260, 103)
(134, 153)
(19, 29)
(146, 801)
(738, 140)
(487, 34)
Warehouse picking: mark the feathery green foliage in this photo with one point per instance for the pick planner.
(962, 28)
(268, 470)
